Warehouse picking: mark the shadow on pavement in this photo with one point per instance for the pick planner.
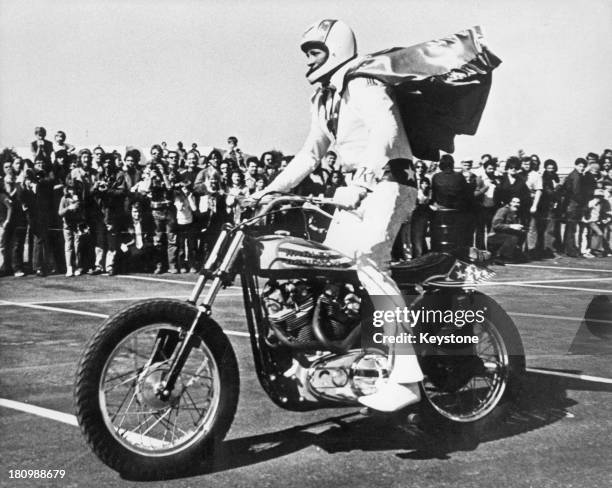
(543, 401)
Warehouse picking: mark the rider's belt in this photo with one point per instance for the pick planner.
(400, 171)
(160, 205)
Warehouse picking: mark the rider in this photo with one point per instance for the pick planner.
(360, 118)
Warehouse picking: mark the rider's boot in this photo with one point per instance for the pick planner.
(397, 392)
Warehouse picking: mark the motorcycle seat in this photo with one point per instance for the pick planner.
(419, 269)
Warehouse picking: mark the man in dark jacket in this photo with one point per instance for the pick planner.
(576, 198)
(508, 233)
(451, 192)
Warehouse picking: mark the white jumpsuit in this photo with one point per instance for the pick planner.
(369, 134)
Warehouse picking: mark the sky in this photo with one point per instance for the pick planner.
(136, 72)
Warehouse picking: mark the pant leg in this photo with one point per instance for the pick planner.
(172, 241)
(69, 246)
(569, 236)
(100, 232)
(369, 240)
(159, 221)
(112, 244)
(17, 247)
(6, 236)
(420, 219)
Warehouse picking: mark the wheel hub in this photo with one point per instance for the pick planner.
(151, 390)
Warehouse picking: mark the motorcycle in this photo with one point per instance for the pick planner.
(158, 385)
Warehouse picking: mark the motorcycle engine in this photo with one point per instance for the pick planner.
(290, 307)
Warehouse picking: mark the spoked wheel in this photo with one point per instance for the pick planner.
(474, 386)
(130, 386)
(131, 421)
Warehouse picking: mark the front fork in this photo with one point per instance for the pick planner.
(219, 277)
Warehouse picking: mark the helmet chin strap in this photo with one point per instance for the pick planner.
(326, 78)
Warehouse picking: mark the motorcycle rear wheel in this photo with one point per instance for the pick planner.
(126, 423)
(478, 401)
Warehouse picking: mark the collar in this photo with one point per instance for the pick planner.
(338, 79)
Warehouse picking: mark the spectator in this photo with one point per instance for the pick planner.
(267, 159)
(131, 171)
(16, 225)
(139, 248)
(251, 170)
(236, 191)
(329, 161)
(595, 221)
(422, 213)
(157, 188)
(450, 191)
(39, 196)
(224, 174)
(511, 185)
(549, 209)
(533, 220)
(186, 235)
(213, 210)
(485, 201)
(61, 144)
(6, 222)
(214, 159)
(41, 147)
(98, 153)
(575, 205)
(164, 147)
(191, 168)
(109, 192)
(180, 149)
(233, 152)
(73, 218)
(506, 240)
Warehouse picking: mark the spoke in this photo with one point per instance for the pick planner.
(195, 406)
(130, 379)
(126, 410)
(159, 419)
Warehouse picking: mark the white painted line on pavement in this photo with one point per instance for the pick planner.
(564, 280)
(92, 314)
(71, 419)
(97, 300)
(599, 291)
(583, 377)
(56, 309)
(164, 280)
(559, 267)
(40, 411)
(558, 317)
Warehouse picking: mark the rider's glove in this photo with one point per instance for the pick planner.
(349, 197)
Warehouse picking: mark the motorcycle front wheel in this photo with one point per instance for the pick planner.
(128, 424)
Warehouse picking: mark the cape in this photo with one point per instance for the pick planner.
(440, 86)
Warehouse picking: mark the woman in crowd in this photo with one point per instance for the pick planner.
(235, 193)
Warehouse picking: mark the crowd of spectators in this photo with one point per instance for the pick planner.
(91, 211)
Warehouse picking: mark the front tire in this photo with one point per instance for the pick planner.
(128, 426)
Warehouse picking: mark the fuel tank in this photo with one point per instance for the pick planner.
(285, 257)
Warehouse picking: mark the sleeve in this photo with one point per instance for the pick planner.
(307, 159)
(63, 207)
(499, 220)
(371, 101)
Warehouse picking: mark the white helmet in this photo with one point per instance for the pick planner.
(336, 38)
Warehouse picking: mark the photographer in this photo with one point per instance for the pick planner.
(109, 192)
(157, 186)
